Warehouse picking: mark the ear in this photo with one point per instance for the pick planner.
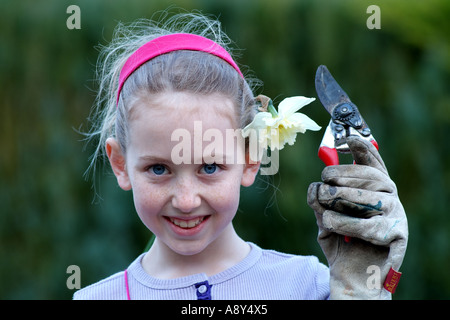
(118, 165)
(251, 169)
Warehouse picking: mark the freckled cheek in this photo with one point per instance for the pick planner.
(225, 199)
(148, 202)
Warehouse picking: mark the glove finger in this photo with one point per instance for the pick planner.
(365, 153)
(397, 252)
(352, 201)
(312, 198)
(358, 176)
(376, 230)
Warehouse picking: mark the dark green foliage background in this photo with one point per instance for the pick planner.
(399, 76)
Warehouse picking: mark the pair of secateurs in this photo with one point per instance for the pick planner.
(345, 118)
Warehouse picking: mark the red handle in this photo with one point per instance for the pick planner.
(375, 143)
(329, 156)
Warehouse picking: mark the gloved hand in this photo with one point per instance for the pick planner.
(360, 200)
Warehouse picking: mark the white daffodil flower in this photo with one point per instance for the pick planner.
(275, 129)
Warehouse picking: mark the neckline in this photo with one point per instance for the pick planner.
(137, 272)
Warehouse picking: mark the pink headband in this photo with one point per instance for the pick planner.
(169, 43)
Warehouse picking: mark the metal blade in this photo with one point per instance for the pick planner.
(328, 90)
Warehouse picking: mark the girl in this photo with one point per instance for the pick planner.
(163, 88)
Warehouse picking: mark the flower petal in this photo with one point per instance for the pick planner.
(291, 105)
(259, 122)
(305, 121)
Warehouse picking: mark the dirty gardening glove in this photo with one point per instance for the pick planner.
(360, 201)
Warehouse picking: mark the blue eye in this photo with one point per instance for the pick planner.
(210, 168)
(158, 169)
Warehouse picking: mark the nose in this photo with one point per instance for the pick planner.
(186, 197)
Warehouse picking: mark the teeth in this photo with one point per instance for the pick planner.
(187, 224)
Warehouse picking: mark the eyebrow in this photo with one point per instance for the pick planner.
(219, 158)
(153, 159)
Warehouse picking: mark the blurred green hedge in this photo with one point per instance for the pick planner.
(398, 75)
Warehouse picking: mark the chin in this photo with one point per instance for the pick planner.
(188, 248)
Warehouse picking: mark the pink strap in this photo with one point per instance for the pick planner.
(169, 43)
(126, 284)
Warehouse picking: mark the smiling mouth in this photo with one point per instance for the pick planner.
(187, 224)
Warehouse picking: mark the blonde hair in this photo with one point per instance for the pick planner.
(191, 71)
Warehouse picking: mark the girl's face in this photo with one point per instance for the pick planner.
(186, 205)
